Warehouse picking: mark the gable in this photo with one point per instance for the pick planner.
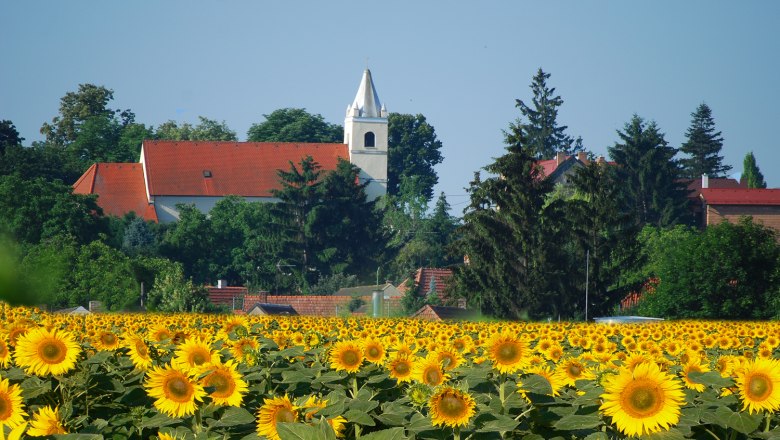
(249, 169)
(119, 187)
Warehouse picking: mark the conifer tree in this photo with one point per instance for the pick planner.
(652, 189)
(751, 174)
(543, 137)
(703, 146)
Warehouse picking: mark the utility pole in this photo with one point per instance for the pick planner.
(587, 264)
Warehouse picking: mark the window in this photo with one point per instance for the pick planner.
(369, 140)
(206, 173)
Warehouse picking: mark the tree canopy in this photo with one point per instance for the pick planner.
(295, 125)
(751, 174)
(205, 130)
(703, 145)
(413, 151)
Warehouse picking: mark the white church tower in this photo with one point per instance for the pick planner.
(365, 132)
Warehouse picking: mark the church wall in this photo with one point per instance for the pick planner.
(165, 206)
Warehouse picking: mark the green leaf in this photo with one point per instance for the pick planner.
(100, 357)
(298, 431)
(158, 420)
(330, 376)
(33, 387)
(671, 434)
(740, 421)
(533, 437)
(419, 423)
(14, 374)
(359, 417)
(296, 351)
(235, 416)
(500, 423)
(537, 384)
(710, 378)
(386, 434)
(363, 405)
(597, 436)
(573, 422)
(79, 436)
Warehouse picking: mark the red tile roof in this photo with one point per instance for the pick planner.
(742, 196)
(120, 189)
(236, 168)
(423, 277)
(715, 183)
(549, 166)
(229, 296)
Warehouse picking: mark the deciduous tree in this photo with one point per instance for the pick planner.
(295, 125)
(413, 152)
(751, 174)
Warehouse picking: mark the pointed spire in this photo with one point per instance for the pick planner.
(366, 99)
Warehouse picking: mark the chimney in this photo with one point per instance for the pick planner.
(221, 284)
(582, 157)
(559, 158)
(705, 181)
(600, 160)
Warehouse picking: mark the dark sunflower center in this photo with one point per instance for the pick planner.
(108, 338)
(373, 352)
(759, 387)
(140, 347)
(350, 358)
(178, 388)
(5, 408)
(459, 345)
(575, 370)
(452, 406)
(222, 385)
(432, 376)
(198, 358)
(3, 350)
(284, 415)
(52, 352)
(642, 399)
(402, 368)
(508, 352)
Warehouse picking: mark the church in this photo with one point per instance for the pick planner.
(203, 172)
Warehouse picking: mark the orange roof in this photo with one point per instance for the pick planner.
(423, 277)
(235, 168)
(120, 189)
(741, 196)
(549, 166)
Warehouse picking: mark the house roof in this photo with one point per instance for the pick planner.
(423, 277)
(442, 312)
(225, 295)
(119, 187)
(192, 168)
(716, 183)
(363, 290)
(741, 196)
(549, 166)
(274, 309)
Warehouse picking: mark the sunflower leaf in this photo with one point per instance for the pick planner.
(499, 423)
(234, 416)
(359, 417)
(386, 434)
(741, 422)
(298, 431)
(537, 384)
(710, 378)
(573, 422)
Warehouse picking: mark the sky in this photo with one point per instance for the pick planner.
(460, 64)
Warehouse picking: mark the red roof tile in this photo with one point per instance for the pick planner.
(716, 183)
(120, 189)
(549, 166)
(236, 168)
(742, 196)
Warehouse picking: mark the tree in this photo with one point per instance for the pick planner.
(75, 109)
(413, 151)
(190, 242)
(508, 237)
(541, 133)
(205, 130)
(139, 239)
(9, 137)
(699, 280)
(652, 188)
(751, 174)
(295, 125)
(703, 145)
(104, 274)
(173, 292)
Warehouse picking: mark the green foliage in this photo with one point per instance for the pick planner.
(76, 108)
(9, 137)
(139, 238)
(295, 125)
(205, 130)
(328, 285)
(190, 242)
(173, 292)
(751, 174)
(703, 145)
(541, 134)
(728, 271)
(103, 274)
(355, 303)
(32, 210)
(652, 189)
(413, 152)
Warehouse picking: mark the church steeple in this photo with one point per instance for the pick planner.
(366, 133)
(366, 103)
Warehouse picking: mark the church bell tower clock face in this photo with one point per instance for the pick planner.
(365, 132)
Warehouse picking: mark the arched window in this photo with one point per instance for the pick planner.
(369, 139)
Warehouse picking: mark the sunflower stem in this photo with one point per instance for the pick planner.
(768, 419)
(712, 434)
(456, 433)
(197, 421)
(354, 386)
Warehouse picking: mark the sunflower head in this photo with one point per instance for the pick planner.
(346, 356)
(224, 384)
(175, 392)
(400, 368)
(758, 382)
(429, 371)
(507, 352)
(42, 351)
(273, 411)
(11, 407)
(46, 421)
(451, 407)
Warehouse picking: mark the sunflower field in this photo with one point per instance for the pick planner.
(186, 376)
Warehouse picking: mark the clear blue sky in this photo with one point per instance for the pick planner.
(461, 64)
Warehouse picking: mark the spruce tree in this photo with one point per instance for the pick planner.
(751, 174)
(543, 138)
(703, 146)
(652, 188)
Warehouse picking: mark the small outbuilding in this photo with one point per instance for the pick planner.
(260, 309)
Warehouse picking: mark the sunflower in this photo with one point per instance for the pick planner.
(46, 422)
(690, 367)
(138, 352)
(507, 352)
(242, 348)
(229, 387)
(643, 400)
(758, 382)
(193, 354)
(451, 407)
(43, 351)
(449, 357)
(429, 371)
(374, 351)
(400, 368)
(106, 340)
(166, 436)
(346, 356)
(5, 354)
(11, 408)
(175, 392)
(273, 411)
(572, 369)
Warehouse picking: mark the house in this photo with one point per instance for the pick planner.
(204, 172)
(729, 204)
(442, 313)
(560, 169)
(80, 310)
(388, 291)
(260, 309)
(427, 280)
(322, 305)
(230, 296)
(705, 182)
